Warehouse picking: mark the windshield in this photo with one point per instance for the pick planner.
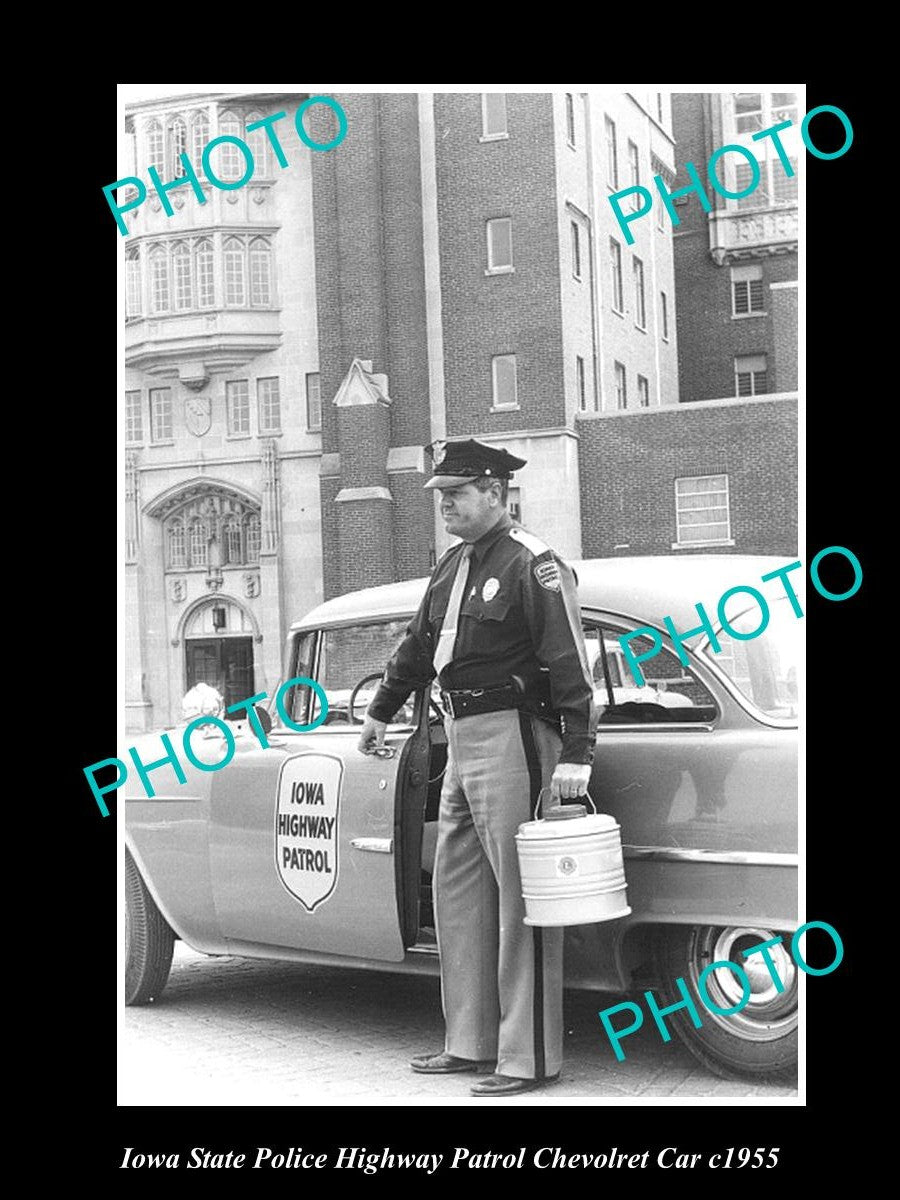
(765, 668)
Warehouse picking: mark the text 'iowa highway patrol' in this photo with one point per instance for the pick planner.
(360, 1158)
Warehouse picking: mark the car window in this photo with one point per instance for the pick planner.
(765, 668)
(349, 654)
(670, 692)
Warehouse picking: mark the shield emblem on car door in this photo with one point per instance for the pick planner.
(307, 825)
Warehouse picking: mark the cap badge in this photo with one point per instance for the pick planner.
(490, 589)
(438, 452)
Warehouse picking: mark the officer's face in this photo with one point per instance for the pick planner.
(469, 513)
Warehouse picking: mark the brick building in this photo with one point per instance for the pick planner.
(736, 266)
(451, 269)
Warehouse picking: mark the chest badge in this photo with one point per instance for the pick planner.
(490, 589)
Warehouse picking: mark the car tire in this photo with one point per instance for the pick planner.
(149, 940)
(760, 1041)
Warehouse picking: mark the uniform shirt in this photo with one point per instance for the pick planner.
(519, 614)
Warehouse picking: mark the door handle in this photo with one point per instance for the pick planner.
(375, 845)
(384, 751)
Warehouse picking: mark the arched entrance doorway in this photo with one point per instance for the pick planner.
(218, 649)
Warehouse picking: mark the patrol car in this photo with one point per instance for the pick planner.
(310, 851)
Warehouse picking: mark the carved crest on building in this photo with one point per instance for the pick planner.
(198, 414)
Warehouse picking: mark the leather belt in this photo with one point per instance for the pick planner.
(473, 702)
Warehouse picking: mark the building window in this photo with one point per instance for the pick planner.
(260, 273)
(576, 250)
(747, 290)
(701, 510)
(503, 372)
(200, 138)
(760, 110)
(579, 383)
(177, 549)
(499, 244)
(615, 262)
(259, 147)
(134, 424)
(237, 404)
(235, 271)
(133, 300)
(640, 307)
(229, 162)
(612, 161)
(514, 504)
(177, 147)
(750, 375)
(182, 277)
(643, 391)
(493, 114)
(570, 119)
(621, 386)
(634, 171)
(313, 402)
(664, 316)
(198, 543)
(204, 268)
(160, 415)
(159, 280)
(269, 403)
(232, 548)
(253, 539)
(156, 148)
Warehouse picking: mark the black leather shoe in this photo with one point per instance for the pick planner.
(448, 1064)
(509, 1085)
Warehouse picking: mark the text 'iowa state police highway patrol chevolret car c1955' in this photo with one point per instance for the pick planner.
(311, 851)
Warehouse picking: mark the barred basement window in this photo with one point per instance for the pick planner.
(134, 424)
(237, 404)
(701, 510)
(269, 403)
(747, 290)
(750, 375)
(160, 415)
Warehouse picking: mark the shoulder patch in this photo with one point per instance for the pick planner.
(547, 575)
(529, 541)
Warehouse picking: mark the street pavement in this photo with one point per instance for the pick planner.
(234, 1031)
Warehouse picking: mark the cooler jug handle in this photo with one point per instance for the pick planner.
(543, 807)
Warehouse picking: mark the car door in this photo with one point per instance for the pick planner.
(304, 835)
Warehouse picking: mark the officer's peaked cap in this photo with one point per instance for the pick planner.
(456, 463)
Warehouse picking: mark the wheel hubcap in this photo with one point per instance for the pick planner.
(770, 1011)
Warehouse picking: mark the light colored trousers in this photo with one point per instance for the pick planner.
(496, 1003)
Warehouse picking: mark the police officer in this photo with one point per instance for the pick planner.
(499, 626)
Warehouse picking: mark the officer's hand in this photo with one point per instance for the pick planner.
(569, 780)
(372, 736)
